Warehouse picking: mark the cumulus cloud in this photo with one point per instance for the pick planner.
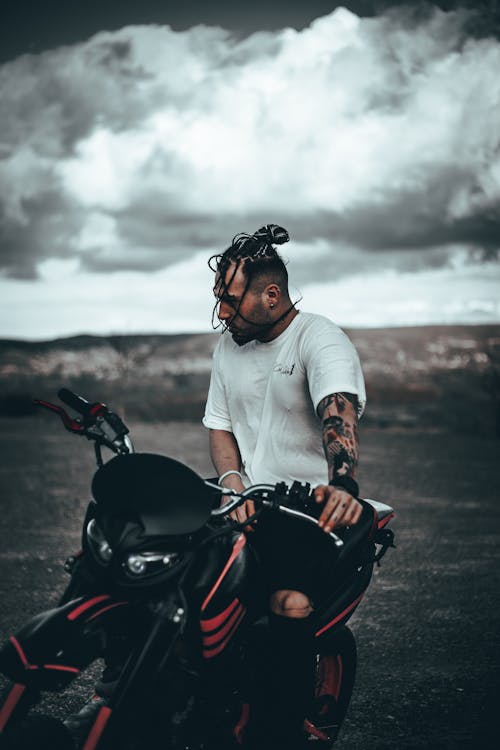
(372, 140)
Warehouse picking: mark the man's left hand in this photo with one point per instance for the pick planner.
(340, 508)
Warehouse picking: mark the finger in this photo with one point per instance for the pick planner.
(330, 507)
(241, 514)
(354, 513)
(350, 515)
(250, 510)
(357, 514)
(338, 514)
(320, 493)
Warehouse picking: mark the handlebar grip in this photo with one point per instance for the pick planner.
(77, 403)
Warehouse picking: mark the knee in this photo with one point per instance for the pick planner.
(288, 603)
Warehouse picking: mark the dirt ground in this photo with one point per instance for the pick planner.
(428, 629)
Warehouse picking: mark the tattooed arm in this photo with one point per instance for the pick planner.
(338, 413)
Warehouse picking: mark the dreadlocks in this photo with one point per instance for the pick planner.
(256, 255)
(254, 251)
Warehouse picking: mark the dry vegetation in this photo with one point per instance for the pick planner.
(437, 378)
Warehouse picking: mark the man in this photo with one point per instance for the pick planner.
(286, 392)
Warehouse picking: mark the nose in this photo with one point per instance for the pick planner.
(225, 312)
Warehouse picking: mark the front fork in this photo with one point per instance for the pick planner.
(131, 696)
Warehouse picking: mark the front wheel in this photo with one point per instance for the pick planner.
(335, 674)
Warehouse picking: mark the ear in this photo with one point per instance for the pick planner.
(272, 294)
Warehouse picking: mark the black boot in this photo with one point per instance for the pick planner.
(80, 724)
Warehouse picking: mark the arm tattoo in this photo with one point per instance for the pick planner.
(338, 413)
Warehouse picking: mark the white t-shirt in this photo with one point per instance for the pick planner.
(267, 394)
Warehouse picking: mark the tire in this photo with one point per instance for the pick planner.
(37, 732)
(335, 675)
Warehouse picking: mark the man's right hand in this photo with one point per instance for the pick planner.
(233, 482)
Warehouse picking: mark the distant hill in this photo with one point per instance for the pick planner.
(433, 377)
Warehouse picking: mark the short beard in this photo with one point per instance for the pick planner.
(242, 340)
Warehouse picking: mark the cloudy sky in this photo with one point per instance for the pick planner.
(136, 142)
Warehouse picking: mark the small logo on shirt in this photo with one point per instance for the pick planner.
(284, 369)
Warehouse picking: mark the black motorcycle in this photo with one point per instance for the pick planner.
(168, 589)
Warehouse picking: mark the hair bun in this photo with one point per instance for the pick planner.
(272, 234)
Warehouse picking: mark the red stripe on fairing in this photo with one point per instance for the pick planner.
(105, 609)
(238, 546)
(20, 651)
(209, 653)
(330, 676)
(27, 665)
(309, 727)
(98, 728)
(11, 702)
(210, 640)
(87, 605)
(384, 521)
(341, 615)
(61, 668)
(214, 622)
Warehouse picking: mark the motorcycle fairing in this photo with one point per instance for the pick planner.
(55, 645)
(166, 497)
(220, 620)
(221, 587)
(353, 571)
(343, 607)
(144, 503)
(238, 546)
(216, 632)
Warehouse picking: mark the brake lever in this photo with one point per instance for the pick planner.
(101, 425)
(74, 425)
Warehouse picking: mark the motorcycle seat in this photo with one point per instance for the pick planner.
(382, 509)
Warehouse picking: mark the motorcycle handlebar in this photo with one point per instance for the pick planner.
(90, 412)
(75, 402)
(99, 423)
(268, 496)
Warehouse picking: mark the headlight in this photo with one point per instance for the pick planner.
(98, 543)
(150, 563)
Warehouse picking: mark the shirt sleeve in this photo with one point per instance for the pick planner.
(332, 364)
(216, 409)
